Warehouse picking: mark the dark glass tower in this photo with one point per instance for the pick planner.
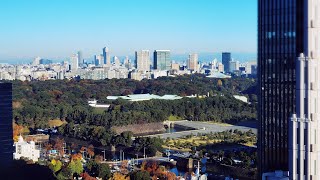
(6, 132)
(226, 58)
(280, 41)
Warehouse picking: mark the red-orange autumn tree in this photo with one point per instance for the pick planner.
(17, 130)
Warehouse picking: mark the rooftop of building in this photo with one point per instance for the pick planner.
(145, 97)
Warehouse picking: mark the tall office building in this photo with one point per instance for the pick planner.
(304, 127)
(226, 58)
(6, 131)
(106, 56)
(234, 66)
(142, 60)
(80, 58)
(116, 61)
(161, 60)
(36, 61)
(74, 62)
(193, 62)
(280, 41)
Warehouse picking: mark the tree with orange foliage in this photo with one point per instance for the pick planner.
(98, 158)
(77, 156)
(144, 166)
(154, 177)
(171, 176)
(59, 145)
(83, 150)
(152, 167)
(90, 151)
(124, 167)
(119, 176)
(86, 176)
(17, 130)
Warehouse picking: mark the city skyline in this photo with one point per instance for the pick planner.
(55, 35)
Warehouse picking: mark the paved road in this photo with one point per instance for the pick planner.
(201, 127)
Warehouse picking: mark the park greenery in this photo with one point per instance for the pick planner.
(64, 103)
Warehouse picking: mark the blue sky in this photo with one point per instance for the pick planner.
(58, 28)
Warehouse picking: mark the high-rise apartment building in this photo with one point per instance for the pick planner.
(142, 60)
(193, 62)
(226, 58)
(162, 60)
(106, 56)
(280, 41)
(6, 131)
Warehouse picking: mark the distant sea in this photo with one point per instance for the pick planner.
(180, 58)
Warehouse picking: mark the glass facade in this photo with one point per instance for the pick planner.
(6, 131)
(280, 41)
(226, 58)
(162, 60)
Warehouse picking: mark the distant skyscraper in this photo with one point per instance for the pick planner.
(116, 61)
(74, 62)
(226, 58)
(280, 41)
(142, 60)
(162, 60)
(36, 61)
(106, 56)
(234, 66)
(6, 131)
(80, 58)
(193, 62)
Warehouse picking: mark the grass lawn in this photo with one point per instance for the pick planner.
(56, 123)
(174, 118)
(184, 144)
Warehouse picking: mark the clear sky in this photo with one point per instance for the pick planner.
(58, 28)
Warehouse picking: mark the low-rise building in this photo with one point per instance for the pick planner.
(27, 150)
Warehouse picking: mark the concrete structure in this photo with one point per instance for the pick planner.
(162, 60)
(142, 60)
(6, 131)
(27, 150)
(226, 58)
(116, 61)
(234, 66)
(241, 98)
(144, 97)
(218, 75)
(74, 63)
(304, 129)
(220, 67)
(80, 58)
(106, 56)
(36, 61)
(193, 62)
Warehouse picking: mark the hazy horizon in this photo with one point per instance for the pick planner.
(56, 29)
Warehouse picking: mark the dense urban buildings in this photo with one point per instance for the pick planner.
(280, 41)
(161, 60)
(226, 58)
(142, 60)
(122, 67)
(6, 139)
